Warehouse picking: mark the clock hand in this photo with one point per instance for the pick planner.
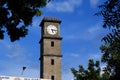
(53, 30)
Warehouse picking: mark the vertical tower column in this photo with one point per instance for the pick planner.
(50, 44)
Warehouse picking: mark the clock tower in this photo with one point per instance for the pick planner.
(50, 50)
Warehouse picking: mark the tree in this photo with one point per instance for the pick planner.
(16, 16)
(91, 73)
(110, 11)
(111, 57)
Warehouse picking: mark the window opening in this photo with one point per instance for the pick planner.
(52, 77)
(52, 43)
(52, 61)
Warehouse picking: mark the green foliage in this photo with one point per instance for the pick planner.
(91, 73)
(16, 16)
(111, 56)
(110, 11)
(105, 76)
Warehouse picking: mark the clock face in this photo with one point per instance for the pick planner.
(51, 29)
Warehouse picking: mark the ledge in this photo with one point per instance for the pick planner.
(50, 55)
(46, 37)
(50, 19)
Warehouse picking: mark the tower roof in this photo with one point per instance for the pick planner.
(50, 19)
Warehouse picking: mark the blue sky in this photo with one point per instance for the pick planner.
(81, 32)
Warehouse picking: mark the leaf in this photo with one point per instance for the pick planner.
(38, 13)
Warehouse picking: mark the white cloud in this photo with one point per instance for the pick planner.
(74, 55)
(93, 3)
(18, 53)
(93, 30)
(64, 6)
(96, 56)
(14, 51)
(71, 37)
(68, 76)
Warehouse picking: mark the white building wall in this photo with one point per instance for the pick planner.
(19, 78)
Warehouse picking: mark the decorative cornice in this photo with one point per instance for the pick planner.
(51, 55)
(50, 19)
(48, 37)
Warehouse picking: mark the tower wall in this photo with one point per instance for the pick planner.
(50, 50)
